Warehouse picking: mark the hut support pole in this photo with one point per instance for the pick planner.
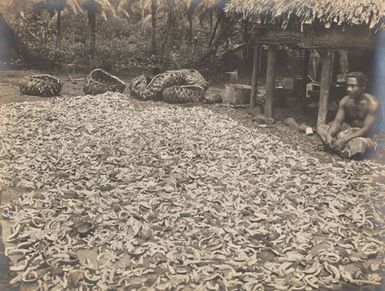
(305, 71)
(254, 78)
(270, 80)
(260, 60)
(326, 74)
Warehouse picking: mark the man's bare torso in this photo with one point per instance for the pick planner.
(356, 112)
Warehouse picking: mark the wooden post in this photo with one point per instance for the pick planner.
(254, 78)
(305, 58)
(260, 61)
(326, 74)
(270, 81)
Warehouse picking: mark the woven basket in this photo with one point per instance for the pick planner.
(41, 85)
(212, 96)
(160, 82)
(99, 82)
(183, 94)
(192, 77)
(137, 86)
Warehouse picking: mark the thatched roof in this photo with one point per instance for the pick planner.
(351, 12)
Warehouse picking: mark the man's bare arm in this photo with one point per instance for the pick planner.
(369, 121)
(340, 117)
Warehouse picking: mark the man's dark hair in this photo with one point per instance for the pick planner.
(361, 78)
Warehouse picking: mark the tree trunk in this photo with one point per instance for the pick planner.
(190, 27)
(214, 32)
(45, 35)
(211, 20)
(153, 26)
(169, 40)
(92, 24)
(224, 27)
(173, 22)
(58, 31)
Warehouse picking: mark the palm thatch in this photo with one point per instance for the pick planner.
(328, 12)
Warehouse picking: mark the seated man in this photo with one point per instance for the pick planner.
(356, 120)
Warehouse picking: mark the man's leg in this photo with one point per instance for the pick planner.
(358, 146)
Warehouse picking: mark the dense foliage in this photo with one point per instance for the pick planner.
(125, 33)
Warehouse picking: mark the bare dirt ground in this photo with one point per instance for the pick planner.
(73, 83)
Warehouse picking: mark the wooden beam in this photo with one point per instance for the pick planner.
(270, 81)
(326, 75)
(254, 79)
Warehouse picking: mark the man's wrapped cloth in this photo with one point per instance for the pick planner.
(356, 147)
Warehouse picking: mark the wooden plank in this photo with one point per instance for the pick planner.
(326, 75)
(254, 78)
(270, 81)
